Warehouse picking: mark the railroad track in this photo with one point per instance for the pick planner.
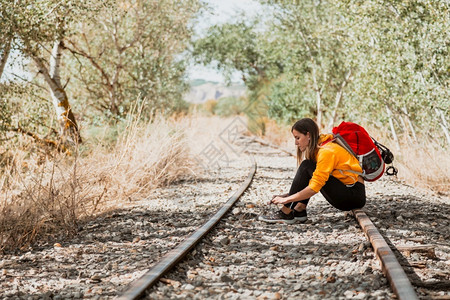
(207, 272)
(150, 278)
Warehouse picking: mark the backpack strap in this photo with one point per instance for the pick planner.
(350, 171)
(341, 141)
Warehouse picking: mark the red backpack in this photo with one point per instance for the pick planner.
(371, 155)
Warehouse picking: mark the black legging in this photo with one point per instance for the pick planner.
(337, 193)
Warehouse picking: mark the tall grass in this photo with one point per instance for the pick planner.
(43, 193)
(424, 164)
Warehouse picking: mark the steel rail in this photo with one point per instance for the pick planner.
(137, 288)
(392, 269)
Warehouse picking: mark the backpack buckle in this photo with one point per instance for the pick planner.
(391, 171)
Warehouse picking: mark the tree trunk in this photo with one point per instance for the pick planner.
(411, 127)
(405, 129)
(339, 98)
(318, 99)
(391, 124)
(5, 55)
(443, 124)
(68, 125)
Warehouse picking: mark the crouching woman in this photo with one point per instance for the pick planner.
(324, 167)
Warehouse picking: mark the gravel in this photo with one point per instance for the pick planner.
(328, 257)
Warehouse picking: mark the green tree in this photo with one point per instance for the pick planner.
(37, 29)
(242, 47)
(296, 60)
(131, 52)
(378, 62)
(120, 52)
(313, 45)
(402, 52)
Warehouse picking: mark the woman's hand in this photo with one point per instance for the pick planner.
(279, 199)
(282, 196)
(306, 193)
(274, 196)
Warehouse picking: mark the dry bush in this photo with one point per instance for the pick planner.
(38, 194)
(44, 193)
(280, 135)
(146, 157)
(209, 106)
(422, 163)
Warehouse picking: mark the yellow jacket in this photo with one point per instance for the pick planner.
(332, 159)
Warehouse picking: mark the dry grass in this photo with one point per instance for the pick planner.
(424, 164)
(280, 135)
(47, 194)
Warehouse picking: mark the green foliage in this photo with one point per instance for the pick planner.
(242, 47)
(231, 46)
(130, 52)
(405, 63)
(24, 110)
(34, 23)
(287, 106)
(5, 117)
(335, 60)
(237, 46)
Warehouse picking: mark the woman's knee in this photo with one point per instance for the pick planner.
(307, 165)
(356, 204)
(360, 204)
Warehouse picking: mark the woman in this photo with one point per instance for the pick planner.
(323, 166)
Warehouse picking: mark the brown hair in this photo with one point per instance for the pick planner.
(304, 126)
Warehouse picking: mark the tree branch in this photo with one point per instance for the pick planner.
(6, 50)
(80, 52)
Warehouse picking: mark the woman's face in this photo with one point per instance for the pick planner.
(301, 140)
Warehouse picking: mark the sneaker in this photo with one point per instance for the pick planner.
(278, 217)
(300, 216)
